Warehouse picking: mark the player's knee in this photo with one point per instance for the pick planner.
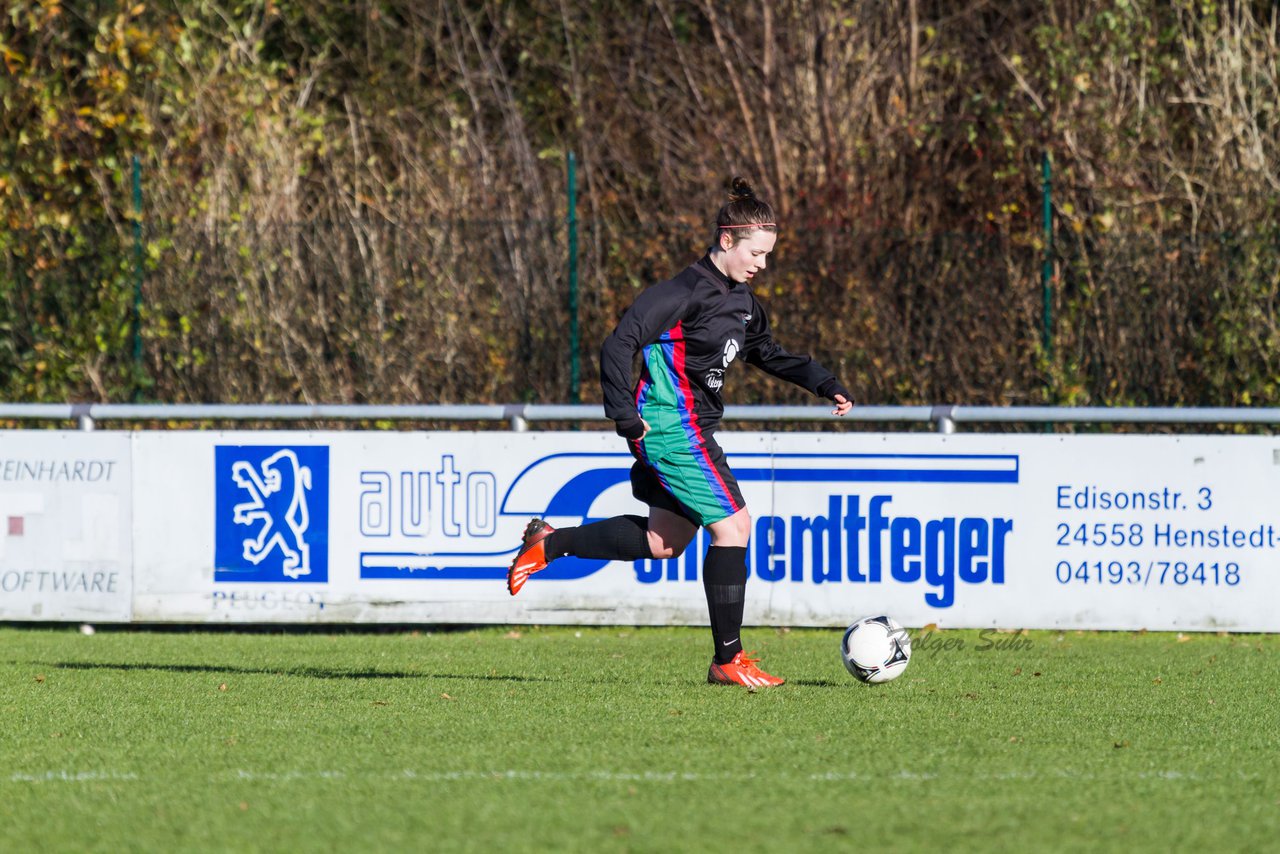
(733, 531)
(663, 548)
(664, 551)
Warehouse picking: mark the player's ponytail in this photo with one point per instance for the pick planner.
(745, 213)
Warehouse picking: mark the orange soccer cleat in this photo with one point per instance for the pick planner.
(742, 671)
(532, 556)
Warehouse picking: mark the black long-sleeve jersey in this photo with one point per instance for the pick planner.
(691, 328)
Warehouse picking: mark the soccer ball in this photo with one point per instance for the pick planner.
(875, 649)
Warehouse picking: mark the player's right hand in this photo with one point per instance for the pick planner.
(630, 433)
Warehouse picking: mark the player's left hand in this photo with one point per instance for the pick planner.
(843, 405)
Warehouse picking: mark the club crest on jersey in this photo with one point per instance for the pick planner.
(272, 513)
(730, 351)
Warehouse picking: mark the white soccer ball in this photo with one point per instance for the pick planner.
(875, 649)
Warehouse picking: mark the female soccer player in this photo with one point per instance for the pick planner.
(690, 328)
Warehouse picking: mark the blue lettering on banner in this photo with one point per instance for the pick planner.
(939, 552)
(859, 540)
(271, 513)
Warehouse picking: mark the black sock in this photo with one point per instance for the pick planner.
(724, 577)
(619, 538)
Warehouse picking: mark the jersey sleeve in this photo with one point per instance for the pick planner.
(765, 353)
(656, 310)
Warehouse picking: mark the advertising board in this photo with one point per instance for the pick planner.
(65, 505)
(1010, 531)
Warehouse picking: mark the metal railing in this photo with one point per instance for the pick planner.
(519, 416)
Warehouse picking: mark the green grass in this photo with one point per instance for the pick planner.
(608, 740)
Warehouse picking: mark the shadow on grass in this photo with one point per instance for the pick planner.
(333, 673)
(818, 683)
(307, 672)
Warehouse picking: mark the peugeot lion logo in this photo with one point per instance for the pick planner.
(278, 501)
(272, 513)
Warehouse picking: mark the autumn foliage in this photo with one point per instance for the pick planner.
(365, 201)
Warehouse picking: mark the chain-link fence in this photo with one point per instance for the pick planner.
(478, 311)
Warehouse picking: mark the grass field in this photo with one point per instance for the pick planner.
(609, 740)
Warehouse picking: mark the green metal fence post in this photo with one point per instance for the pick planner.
(137, 278)
(1046, 270)
(574, 377)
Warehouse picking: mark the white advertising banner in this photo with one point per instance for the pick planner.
(65, 536)
(1011, 531)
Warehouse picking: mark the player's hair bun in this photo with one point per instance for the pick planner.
(740, 190)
